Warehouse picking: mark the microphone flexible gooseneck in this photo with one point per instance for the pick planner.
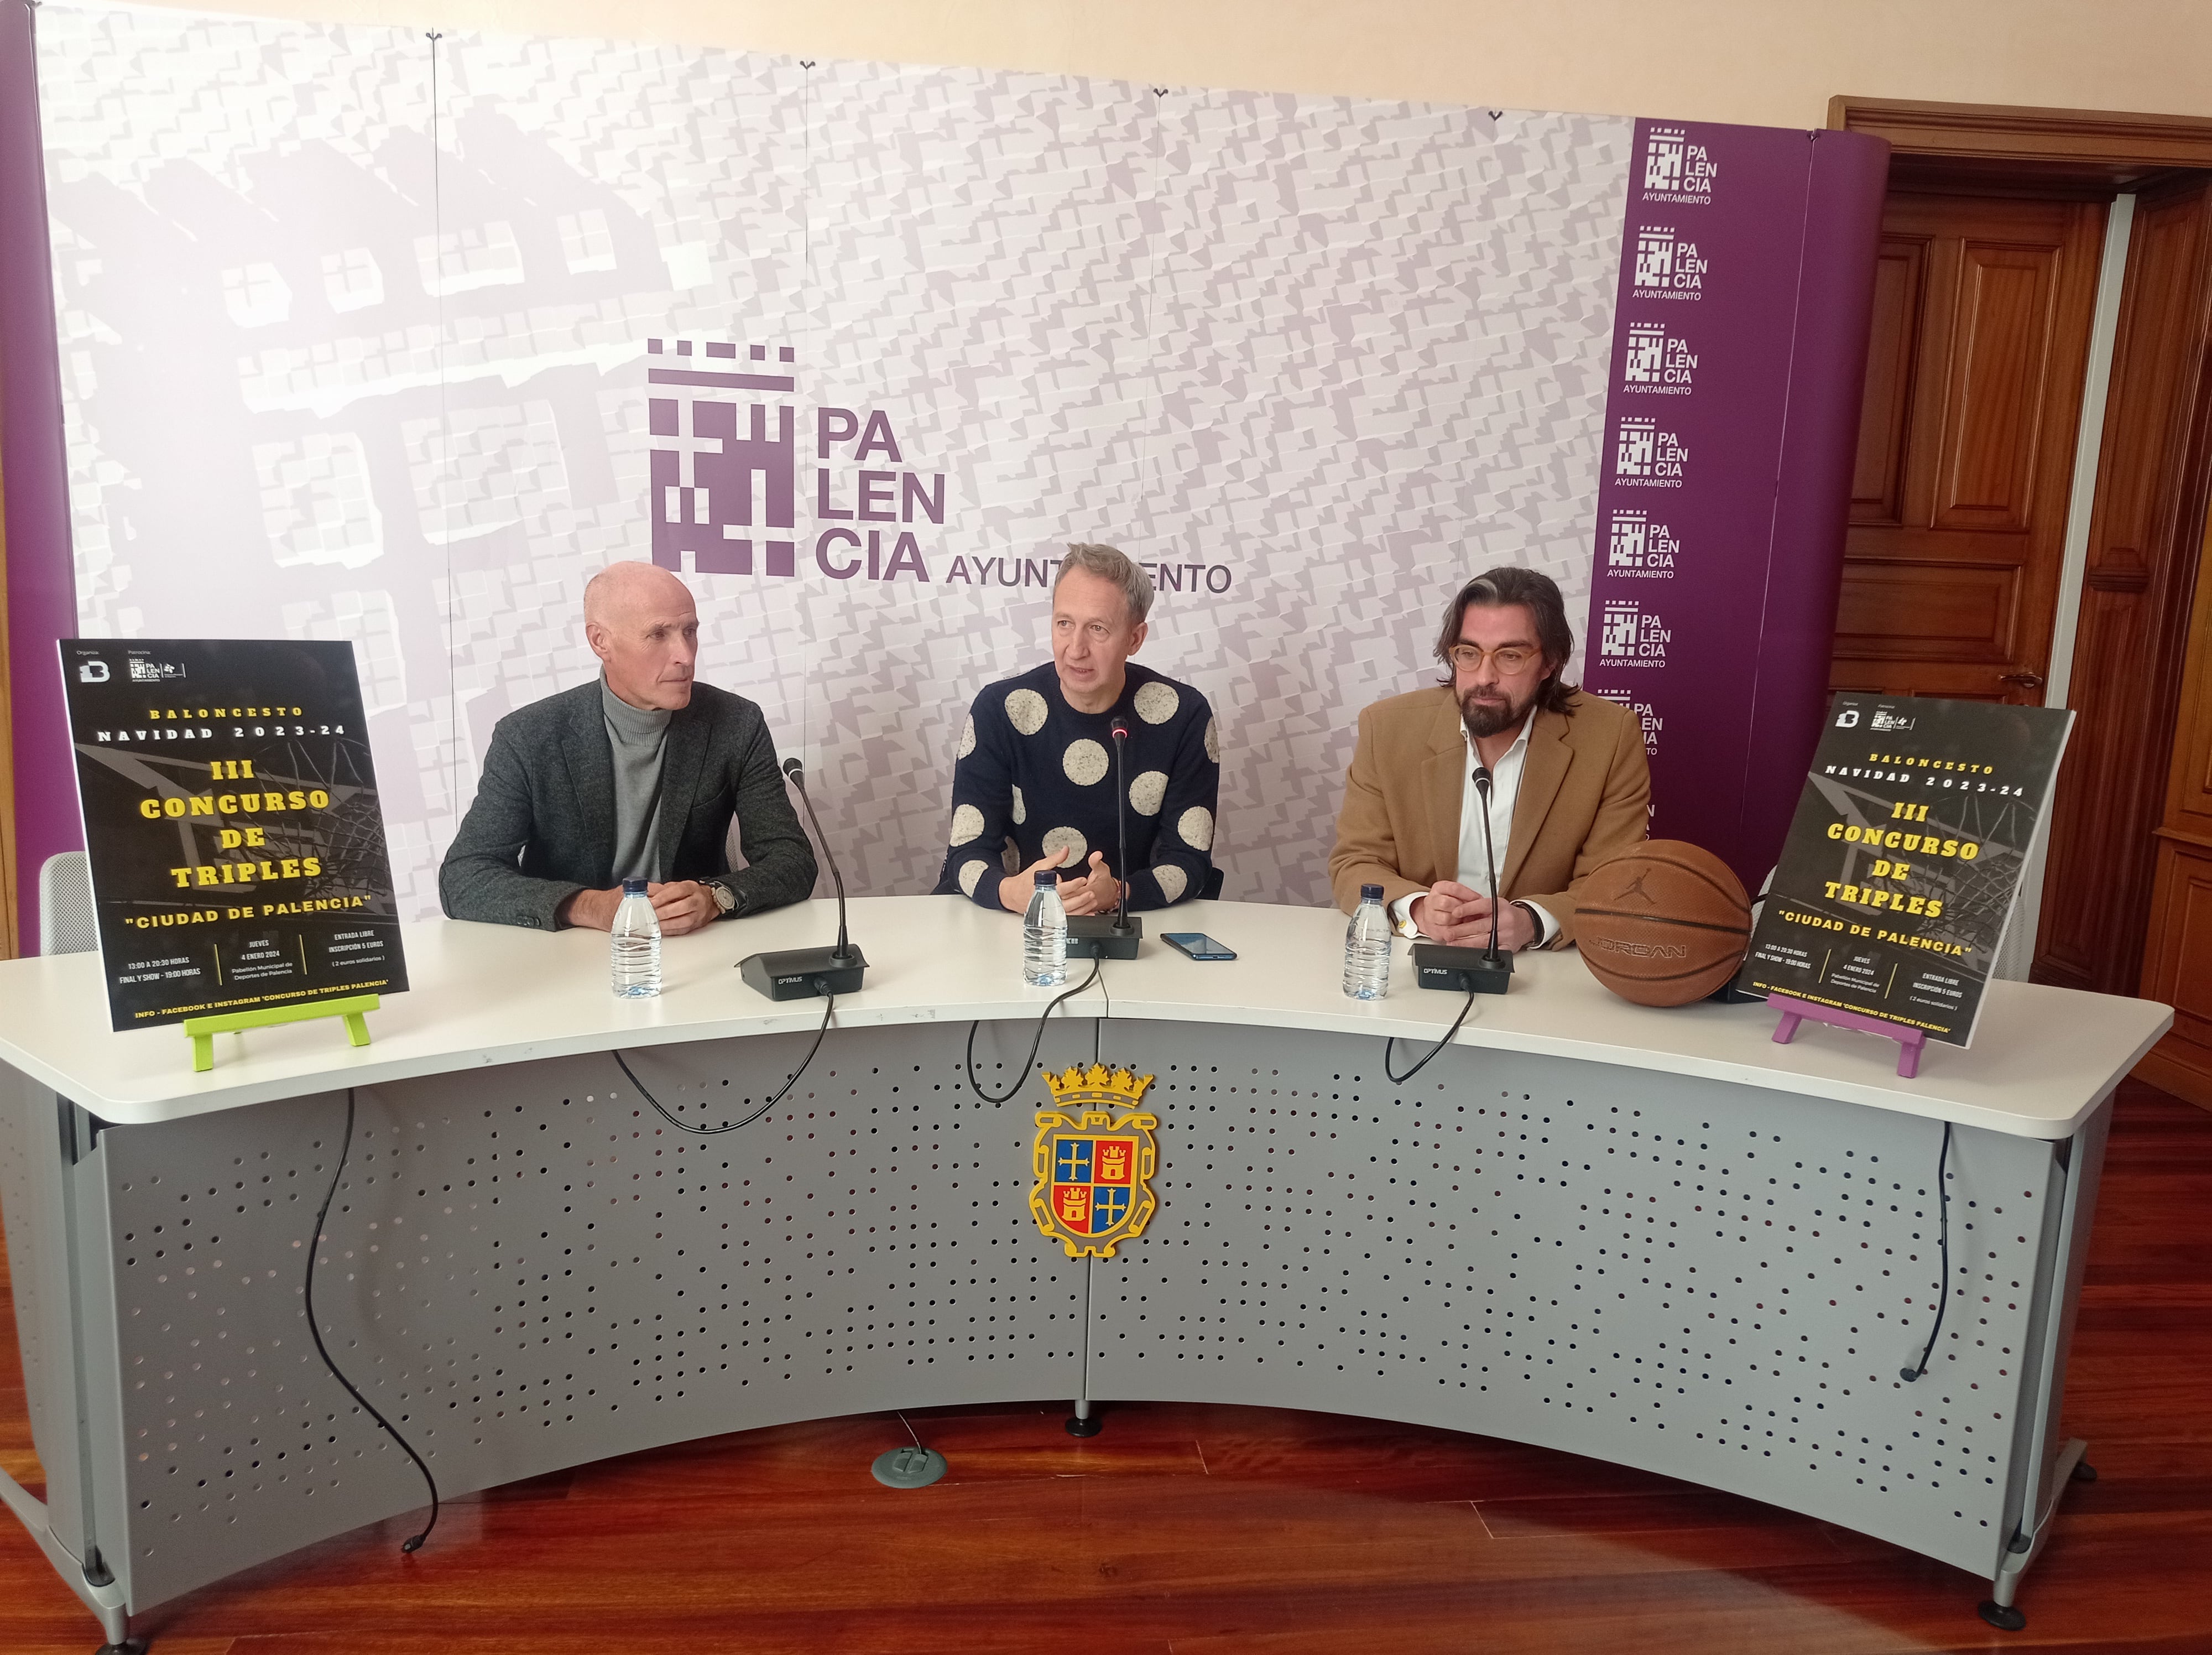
(1467, 970)
(1121, 821)
(1115, 935)
(796, 973)
(1489, 856)
(797, 772)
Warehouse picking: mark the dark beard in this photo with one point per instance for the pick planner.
(1488, 718)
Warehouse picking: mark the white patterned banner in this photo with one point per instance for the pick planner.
(371, 335)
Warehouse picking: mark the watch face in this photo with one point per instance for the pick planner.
(725, 899)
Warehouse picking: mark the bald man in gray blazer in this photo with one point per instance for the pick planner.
(635, 775)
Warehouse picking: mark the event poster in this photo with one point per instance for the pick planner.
(1904, 861)
(231, 817)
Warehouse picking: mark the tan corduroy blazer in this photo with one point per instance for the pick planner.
(1585, 797)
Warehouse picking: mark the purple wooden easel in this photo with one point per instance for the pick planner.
(1794, 1011)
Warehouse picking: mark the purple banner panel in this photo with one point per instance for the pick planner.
(1714, 391)
(1812, 501)
(41, 579)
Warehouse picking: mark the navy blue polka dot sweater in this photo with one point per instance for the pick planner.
(1033, 768)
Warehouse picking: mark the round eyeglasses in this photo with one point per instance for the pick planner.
(1508, 660)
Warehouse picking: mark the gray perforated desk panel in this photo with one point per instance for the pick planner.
(527, 1269)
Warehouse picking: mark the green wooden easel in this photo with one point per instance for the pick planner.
(203, 1030)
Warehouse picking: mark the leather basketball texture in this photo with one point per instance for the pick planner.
(1664, 924)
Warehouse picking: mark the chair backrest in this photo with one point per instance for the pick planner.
(65, 915)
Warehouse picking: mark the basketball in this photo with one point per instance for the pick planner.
(1663, 924)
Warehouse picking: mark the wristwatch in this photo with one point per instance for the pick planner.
(1536, 938)
(726, 896)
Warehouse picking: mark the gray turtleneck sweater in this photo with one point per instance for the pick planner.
(637, 738)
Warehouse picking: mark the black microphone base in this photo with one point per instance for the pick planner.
(805, 973)
(1462, 971)
(1093, 936)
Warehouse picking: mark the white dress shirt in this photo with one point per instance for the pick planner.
(1473, 866)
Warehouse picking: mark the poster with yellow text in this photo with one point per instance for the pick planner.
(1904, 861)
(231, 818)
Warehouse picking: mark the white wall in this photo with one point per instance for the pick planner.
(1765, 62)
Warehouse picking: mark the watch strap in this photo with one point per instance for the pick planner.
(1536, 920)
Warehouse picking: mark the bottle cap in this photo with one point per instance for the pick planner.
(633, 887)
(1371, 893)
(1045, 881)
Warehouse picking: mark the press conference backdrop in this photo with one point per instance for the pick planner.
(376, 334)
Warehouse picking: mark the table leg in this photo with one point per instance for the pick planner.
(1998, 1609)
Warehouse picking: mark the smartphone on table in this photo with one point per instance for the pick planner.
(1197, 944)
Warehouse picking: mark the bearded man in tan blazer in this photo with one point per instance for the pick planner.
(1569, 786)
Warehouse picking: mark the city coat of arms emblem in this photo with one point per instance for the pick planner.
(1094, 1160)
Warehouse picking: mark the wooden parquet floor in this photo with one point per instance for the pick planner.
(1251, 1531)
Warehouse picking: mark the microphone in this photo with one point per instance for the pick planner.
(1470, 970)
(1094, 936)
(802, 973)
(1489, 856)
(1121, 822)
(843, 953)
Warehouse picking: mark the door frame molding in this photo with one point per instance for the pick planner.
(2123, 739)
(2134, 145)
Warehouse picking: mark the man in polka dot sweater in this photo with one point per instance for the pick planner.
(1036, 763)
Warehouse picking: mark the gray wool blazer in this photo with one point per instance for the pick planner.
(543, 824)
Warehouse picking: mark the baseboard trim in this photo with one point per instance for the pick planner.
(2167, 1066)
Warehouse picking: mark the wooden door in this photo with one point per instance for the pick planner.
(2154, 477)
(1965, 456)
(2177, 964)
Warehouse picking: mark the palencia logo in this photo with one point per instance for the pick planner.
(1676, 169)
(1656, 363)
(1637, 549)
(1647, 716)
(1630, 636)
(1885, 720)
(1645, 457)
(725, 430)
(724, 469)
(1667, 266)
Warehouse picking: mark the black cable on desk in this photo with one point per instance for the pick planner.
(1943, 1240)
(1021, 1075)
(715, 1131)
(1390, 1044)
(314, 1246)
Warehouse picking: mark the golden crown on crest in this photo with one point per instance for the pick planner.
(1097, 1084)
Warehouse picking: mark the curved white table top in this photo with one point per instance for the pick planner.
(2042, 1060)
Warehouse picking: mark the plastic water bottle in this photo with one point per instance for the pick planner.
(1367, 947)
(636, 944)
(1044, 936)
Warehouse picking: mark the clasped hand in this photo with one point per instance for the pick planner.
(1094, 891)
(681, 905)
(1449, 912)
